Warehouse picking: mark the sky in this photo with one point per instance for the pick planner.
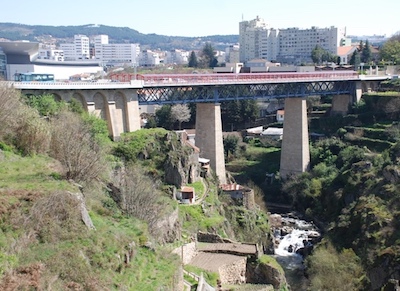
(209, 17)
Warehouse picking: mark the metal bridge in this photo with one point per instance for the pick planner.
(201, 88)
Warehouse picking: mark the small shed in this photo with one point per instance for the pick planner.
(280, 115)
(236, 191)
(188, 195)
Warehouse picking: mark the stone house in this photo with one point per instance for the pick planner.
(186, 195)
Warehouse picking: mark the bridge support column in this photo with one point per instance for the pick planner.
(209, 137)
(340, 104)
(132, 111)
(358, 92)
(91, 109)
(295, 154)
(114, 126)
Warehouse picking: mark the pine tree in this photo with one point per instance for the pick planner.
(193, 63)
(355, 59)
(366, 54)
(208, 58)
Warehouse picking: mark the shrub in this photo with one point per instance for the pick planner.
(330, 269)
(46, 105)
(75, 146)
(55, 217)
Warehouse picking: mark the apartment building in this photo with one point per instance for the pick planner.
(178, 57)
(290, 45)
(232, 54)
(148, 58)
(115, 54)
(78, 50)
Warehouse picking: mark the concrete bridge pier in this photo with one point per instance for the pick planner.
(295, 154)
(209, 137)
(358, 93)
(132, 111)
(340, 104)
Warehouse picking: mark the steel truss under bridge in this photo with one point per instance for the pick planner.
(220, 93)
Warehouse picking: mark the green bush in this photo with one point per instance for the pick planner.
(330, 269)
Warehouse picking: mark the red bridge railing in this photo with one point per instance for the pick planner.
(181, 79)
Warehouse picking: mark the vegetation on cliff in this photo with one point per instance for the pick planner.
(81, 212)
(352, 190)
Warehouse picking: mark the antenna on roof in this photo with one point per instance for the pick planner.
(242, 16)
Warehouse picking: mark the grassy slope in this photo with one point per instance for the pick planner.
(93, 259)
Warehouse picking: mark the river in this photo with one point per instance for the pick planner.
(294, 239)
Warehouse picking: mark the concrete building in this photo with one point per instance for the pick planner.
(51, 54)
(78, 50)
(291, 45)
(115, 54)
(257, 40)
(23, 57)
(345, 53)
(177, 57)
(148, 58)
(232, 54)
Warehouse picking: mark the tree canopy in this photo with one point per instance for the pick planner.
(320, 55)
(208, 59)
(390, 51)
(193, 63)
(180, 113)
(355, 59)
(366, 54)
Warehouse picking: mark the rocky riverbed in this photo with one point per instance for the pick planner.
(294, 239)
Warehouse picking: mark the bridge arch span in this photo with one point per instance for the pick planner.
(81, 99)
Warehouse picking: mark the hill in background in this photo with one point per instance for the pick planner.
(61, 34)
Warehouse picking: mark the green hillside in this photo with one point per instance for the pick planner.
(13, 32)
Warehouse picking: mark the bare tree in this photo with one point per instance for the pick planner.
(9, 104)
(139, 195)
(181, 113)
(73, 144)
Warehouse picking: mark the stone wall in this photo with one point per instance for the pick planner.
(186, 252)
(211, 238)
(234, 273)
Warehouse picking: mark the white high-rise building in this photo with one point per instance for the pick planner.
(79, 50)
(291, 45)
(296, 45)
(257, 40)
(115, 53)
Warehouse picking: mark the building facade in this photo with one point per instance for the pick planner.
(78, 50)
(178, 57)
(291, 45)
(51, 54)
(148, 58)
(232, 54)
(115, 54)
(3, 65)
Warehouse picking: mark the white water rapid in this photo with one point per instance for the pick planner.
(294, 239)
